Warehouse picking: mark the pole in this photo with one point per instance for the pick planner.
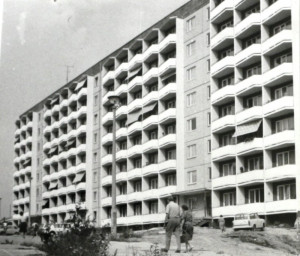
(113, 192)
(0, 208)
(29, 218)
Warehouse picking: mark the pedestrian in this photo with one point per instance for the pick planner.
(23, 224)
(172, 224)
(222, 223)
(187, 227)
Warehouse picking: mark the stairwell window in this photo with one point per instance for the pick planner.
(191, 151)
(191, 48)
(190, 23)
(191, 124)
(191, 99)
(190, 73)
(192, 177)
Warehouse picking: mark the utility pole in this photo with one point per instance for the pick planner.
(0, 208)
(68, 68)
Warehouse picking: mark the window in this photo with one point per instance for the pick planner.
(123, 167)
(209, 173)
(191, 124)
(153, 207)
(226, 139)
(225, 53)
(137, 209)
(191, 99)
(255, 70)
(95, 137)
(228, 199)
(94, 176)
(283, 58)
(252, 9)
(255, 195)
(208, 39)
(228, 80)
(109, 150)
(95, 157)
(123, 189)
(96, 82)
(191, 151)
(153, 183)
(226, 24)
(137, 163)
(171, 154)
(109, 170)
(96, 100)
(171, 129)
(283, 124)
(285, 157)
(208, 65)
(255, 163)
(252, 40)
(108, 191)
(38, 176)
(95, 118)
(171, 104)
(95, 196)
(252, 101)
(208, 118)
(39, 131)
(190, 73)
(282, 26)
(191, 48)
(209, 146)
(37, 192)
(123, 145)
(153, 135)
(208, 92)
(282, 91)
(287, 191)
(190, 23)
(39, 116)
(208, 13)
(153, 158)
(228, 169)
(137, 140)
(137, 186)
(38, 161)
(137, 95)
(123, 210)
(192, 177)
(171, 180)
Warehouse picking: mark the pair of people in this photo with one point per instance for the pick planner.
(178, 220)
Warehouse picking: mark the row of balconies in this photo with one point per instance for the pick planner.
(62, 209)
(23, 143)
(65, 155)
(269, 110)
(21, 201)
(24, 128)
(255, 177)
(65, 190)
(274, 207)
(140, 196)
(23, 157)
(18, 216)
(163, 167)
(22, 186)
(22, 172)
(66, 119)
(274, 141)
(66, 102)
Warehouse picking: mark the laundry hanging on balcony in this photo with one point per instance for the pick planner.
(134, 117)
(53, 101)
(26, 161)
(247, 128)
(52, 150)
(133, 74)
(79, 177)
(53, 185)
(70, 143)
(165, 77)
(80, 84)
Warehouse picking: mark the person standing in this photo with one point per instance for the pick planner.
(173, 224)
(23, 224)
(187, 227)
(222, 223)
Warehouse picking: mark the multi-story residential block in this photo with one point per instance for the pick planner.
(255, 94)
(208, 113)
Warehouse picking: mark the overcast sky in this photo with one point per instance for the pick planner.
(40, 37)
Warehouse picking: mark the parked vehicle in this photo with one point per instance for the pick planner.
(59, 228)
(248, 221)
(12, 230)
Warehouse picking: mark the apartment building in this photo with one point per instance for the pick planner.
(255, 109)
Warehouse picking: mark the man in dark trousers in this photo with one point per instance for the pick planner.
(172, 222)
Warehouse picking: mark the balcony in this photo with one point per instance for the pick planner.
(47, 113)
(72, 116)
(55, 109)
(121, 70)
(82, 93)
(282, 206)
(135, 84)
(135, 127)
(278, 107)
(135, 105)
(106, 201)
(153, 218)
(121, 199)
(167, 166)
(121, 155)
(281, 173)
(224, 182)
(168, 116)
(150, 169)
(276, 12)
(53, 176)
(80, 186)
(134, 173)
(121, 90)
(46, 162)
(248, 56)
(167, 141)
(70, 189)
(167, 191)
(248, 26)
(222, 12)
(135, 61)
(71, 171)
(62, 191)
(121, 112)
(107, 118)
(151, 194)
(167, 43)
(167, 67)
(62, 173)
(223, 124)
(46, 178)
(150, 146)
(150, 122)
(105, 100)
(250, 147)
(121, 133)
(250, 177)
(121, 176)
(55, 125)
(223, 67)
(249, 114)
(150, 97)
(63, 104)
(222, 40)
(280, 140)
(150, 76)
(278, 75)
(107, 159)
(107, 180)
(152, 50)
(278, 43)
(135, 197)
(108, 78)
(134, 151)
(72, 98)
(81, 148)
(223, 95)
(223, 153)
(249, 85)
(226, 211)
(81, 111)
(63, 121)
(167, 91)
(251, 208)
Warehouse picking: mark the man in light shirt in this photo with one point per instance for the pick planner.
(173, 224)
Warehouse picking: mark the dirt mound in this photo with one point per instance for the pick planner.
(280, 242)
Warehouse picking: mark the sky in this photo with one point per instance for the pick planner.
(41, 37)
